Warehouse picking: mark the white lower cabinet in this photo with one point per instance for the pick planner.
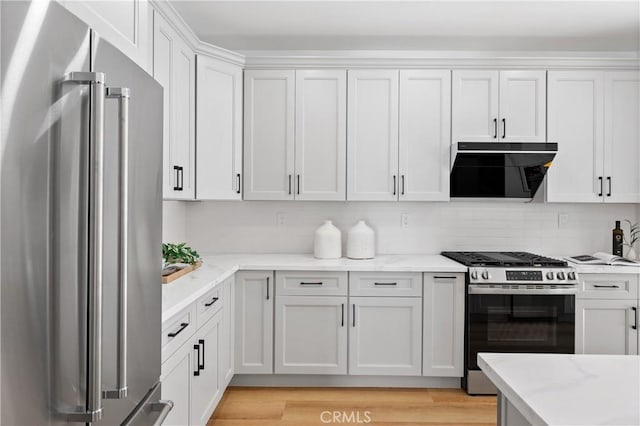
(177, 375)
(606, 327)
(254, 322)
(385, 336)
(227, 340)
(443, 333)
(311, 335)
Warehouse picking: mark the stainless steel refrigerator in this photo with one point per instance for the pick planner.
(80, 223)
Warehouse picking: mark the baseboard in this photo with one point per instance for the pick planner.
(316, 380)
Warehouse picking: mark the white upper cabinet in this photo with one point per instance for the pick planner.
(218, 130)
(127, 24)
(499, 106)
(575, 122)
(475, 106)
(372, 135)
(321, 135)
(269, 114)
(425, 126)
(622, 136)
(174, 69)
(523, 105)
(593, 116)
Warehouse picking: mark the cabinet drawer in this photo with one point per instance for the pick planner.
(178, 330)
(210, 303)
(294, 283)
(608, 286)
(401, 284)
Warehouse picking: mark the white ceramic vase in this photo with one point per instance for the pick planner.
(631, 254)
(327, 243)
(361, 242)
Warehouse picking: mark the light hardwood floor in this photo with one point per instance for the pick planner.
(383, 406)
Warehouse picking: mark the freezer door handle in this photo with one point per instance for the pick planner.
(150, 411)
(122, 95)
(96, 83)
(163, 407)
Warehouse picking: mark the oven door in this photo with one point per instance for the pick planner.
(529, 323)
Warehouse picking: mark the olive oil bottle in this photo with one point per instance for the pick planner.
(618, 238)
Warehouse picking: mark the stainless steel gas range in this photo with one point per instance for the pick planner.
(516, 302)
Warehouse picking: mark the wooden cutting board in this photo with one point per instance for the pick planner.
(184, 271)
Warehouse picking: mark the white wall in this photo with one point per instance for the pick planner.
(174, 221)
(229, 227)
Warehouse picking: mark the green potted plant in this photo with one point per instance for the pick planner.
(630, 241)
(179, 253)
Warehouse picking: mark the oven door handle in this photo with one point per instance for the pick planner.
(477, 289)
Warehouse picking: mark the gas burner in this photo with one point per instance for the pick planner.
(507, 258)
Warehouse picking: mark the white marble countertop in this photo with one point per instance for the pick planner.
(602, 269)
(178, 294)
(558, 389)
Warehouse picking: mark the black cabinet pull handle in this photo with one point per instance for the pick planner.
(179, 178)
(504, 128)
(298, 190)
(201, 366)
(394, 184)
(342, 321)
(239, 183)
(214, 300)
(605, 286)
(385, 283)
(354, 314)
(609, 180)
(495, 128)
(182, 327)
(318, 283)
(289, 184)
(635, 317)
(402, 184)
(600, 179)
(197, 349)
(443, 277)
(267, 288)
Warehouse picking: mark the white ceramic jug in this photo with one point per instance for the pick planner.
(361, 242)
(327, 243)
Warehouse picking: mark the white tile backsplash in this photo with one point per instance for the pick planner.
(251, 226)
(174, 221)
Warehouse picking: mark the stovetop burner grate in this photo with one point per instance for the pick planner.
(507, 258)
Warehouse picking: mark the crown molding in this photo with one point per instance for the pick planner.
(444, 59)
(172, 16)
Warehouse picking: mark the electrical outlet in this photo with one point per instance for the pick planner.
(281, 219)
(404, 220)
(563, 220)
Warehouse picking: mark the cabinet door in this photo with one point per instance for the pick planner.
(226, 340)
(385, 336)
(206, 390)
(321, 135)
(254, 322)
(443, 332)
(219, 130)
(523, 106)
(575, 122)
(475, 106)
(174, 69)
(176, 378)
(622, 136)
(311, 335)
(372, 135)
(606, 327)
(425, 129)
(269, 115)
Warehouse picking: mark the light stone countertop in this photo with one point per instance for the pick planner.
(180, 293)
(559, 389)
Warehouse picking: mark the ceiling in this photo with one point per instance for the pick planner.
(416, 25)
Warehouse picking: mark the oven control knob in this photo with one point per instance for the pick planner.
(550, 276)
(474, 275)
(571, 276)
(485, 274)
(560, 275)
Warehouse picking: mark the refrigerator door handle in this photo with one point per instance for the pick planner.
(122, 95)
(96, 83)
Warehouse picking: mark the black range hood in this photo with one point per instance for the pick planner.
(499, 170)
